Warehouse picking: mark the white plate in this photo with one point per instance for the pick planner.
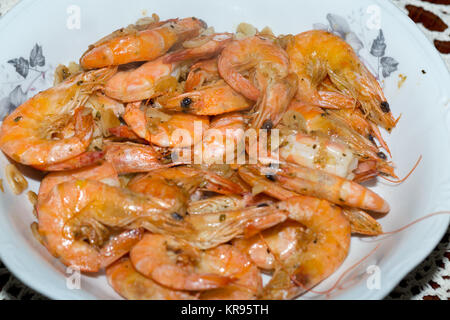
(423, 129)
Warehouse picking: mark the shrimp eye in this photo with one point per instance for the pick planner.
(186, 102)
(270, 177)
(381, 155)
(177, 216)
(385, 107)
(268, 124)
(262, 205)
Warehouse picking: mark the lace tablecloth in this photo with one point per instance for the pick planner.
(431, 279)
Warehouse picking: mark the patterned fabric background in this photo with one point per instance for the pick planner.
(431, 279)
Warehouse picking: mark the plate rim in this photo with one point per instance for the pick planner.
(441, 70)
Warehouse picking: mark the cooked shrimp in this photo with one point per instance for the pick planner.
(228, 261)
(163, 192)
(104, 173)
(200, 73)
(127, 157)
(124, 132)
(275, 86)
(330, 97)
(155, 77)
(209, 101)
(147, 81)
(132, 285)
(107, 112)
(217, 204)
(360, 221)
(204, 47)
(175, 264)
(320, 252)
(273, 245)
(214, 228)
(52, 126)
(85, 159)
(163, 129)
(317, 183)
(356, 120)
(145, 45)
(223, 140)
(315, 54)
(330, 125)
(86, 209)
(190, 179)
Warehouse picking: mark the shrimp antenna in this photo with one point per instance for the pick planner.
(398, 119)
(407, 176)
(390, 233)
(416, 221)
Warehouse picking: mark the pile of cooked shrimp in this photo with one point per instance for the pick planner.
(163, 227)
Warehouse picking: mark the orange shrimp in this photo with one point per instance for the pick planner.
(319, 253)
(164, 129)
(104, 173)
(220, 273)
(145, 45)
(316, 54)
(53, 126)
(80, 210)
(217, 204)
(204, 47)
(163, 192)
(85, 159)
(174, 263)
(273, 245)
(317, 183)
(190, 179)
(118, 244)
(215, 228)
(127, 157)
(221, 141)
(275, 86)
(155, 77)
(200, 73)
(132, 285)
(209, 101)
(227, 260)
(360, 221)
(330, 125)
(145, 82)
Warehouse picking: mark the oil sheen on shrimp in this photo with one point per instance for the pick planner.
(317, 183)
(155, 77)
(320, 252)
(222, 272)
(132, 285)
(145, 45)
(81, 210)
(53, 126)
(316, 54)
(273, 87)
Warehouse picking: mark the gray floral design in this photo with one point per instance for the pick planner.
(339, 26)
(378, 49)
(24, 67)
